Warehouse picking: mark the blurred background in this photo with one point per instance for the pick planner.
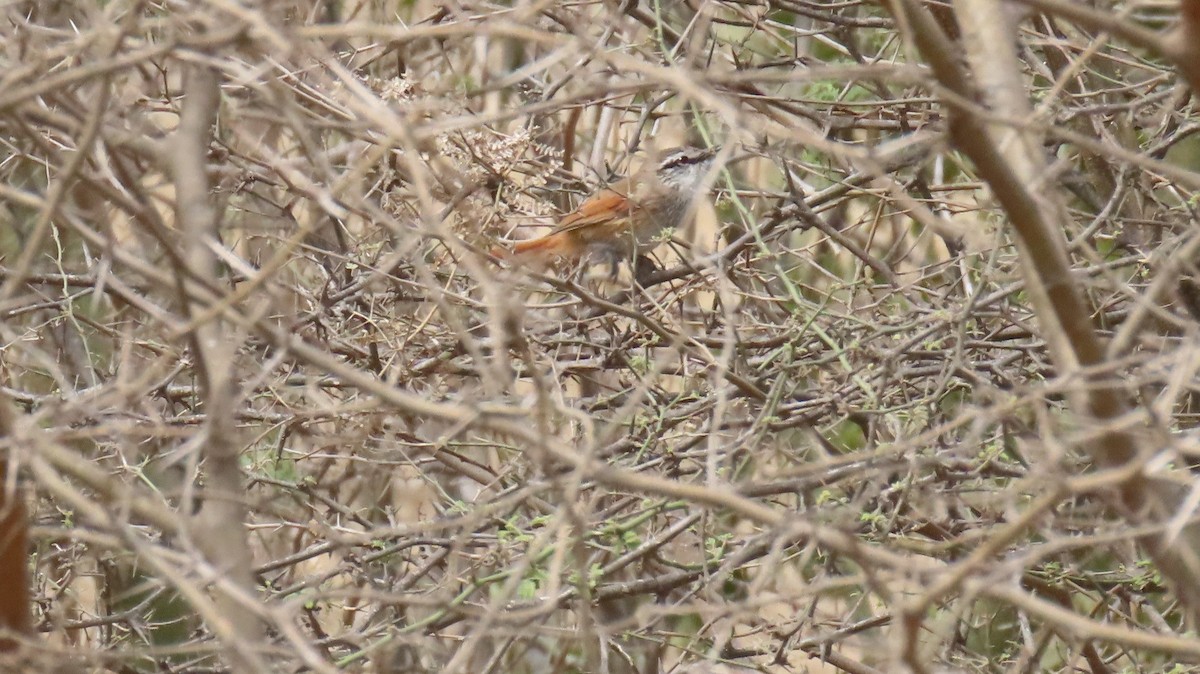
(271, 406)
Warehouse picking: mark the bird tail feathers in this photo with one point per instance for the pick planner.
(542, 248)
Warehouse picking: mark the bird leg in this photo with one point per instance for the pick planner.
(606, 255)
(643, 268)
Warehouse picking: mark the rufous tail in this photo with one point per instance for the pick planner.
(16, 605)
(542, 248)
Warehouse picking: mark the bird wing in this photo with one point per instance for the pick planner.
(598, 208)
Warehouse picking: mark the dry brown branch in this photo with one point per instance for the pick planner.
(1180, 45)
(214, 529)
(1062, 312)
(916, 390)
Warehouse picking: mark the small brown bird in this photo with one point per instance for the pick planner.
(624, 219)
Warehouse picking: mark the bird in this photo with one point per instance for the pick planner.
(625, 219)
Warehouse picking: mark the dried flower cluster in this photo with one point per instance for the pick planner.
(912, 393)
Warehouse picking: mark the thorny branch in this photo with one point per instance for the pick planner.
(913, 391)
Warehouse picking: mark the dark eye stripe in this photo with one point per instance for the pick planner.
(686, 157)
